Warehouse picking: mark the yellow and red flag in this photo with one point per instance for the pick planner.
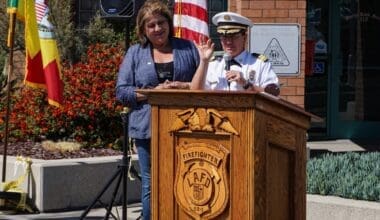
(191, 19)
(42, 59)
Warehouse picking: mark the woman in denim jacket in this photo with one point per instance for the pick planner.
(158, 61)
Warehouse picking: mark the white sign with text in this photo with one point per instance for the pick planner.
(280, 43)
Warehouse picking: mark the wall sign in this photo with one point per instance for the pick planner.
(280, 43)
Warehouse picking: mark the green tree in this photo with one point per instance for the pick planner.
(4, 50)
(73, 42)
(69, 42)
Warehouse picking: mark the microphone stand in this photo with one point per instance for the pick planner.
(122, 172)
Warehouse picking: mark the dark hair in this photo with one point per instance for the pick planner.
(149, 8)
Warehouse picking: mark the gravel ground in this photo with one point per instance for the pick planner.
(35, 151)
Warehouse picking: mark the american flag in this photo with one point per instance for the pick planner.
(41, 8)
(191, 19)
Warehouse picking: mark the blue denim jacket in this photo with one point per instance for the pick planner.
(137, 71)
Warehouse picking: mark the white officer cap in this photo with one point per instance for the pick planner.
(230, 23)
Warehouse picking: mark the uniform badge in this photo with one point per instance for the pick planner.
(201, 184)
(251, 75)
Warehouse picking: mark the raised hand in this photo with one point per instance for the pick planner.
(205, 49)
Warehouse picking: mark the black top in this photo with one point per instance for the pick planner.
(164, 71)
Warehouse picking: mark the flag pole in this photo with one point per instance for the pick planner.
(11, 31)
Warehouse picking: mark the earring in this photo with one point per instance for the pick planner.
(144, 40)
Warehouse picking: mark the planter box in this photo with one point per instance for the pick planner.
(332, 207)
(70, 184)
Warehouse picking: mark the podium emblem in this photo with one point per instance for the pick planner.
(202, 119)
(201, 185)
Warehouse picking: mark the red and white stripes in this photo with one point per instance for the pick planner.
(191, 19)
(41, 8)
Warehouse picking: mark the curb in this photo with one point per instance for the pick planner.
(336, 208)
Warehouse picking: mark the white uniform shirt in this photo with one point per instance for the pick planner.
(254, 69)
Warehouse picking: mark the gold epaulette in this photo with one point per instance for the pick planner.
(217, 57)
(261, 57)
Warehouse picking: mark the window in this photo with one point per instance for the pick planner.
(85, 11)
(214, 7)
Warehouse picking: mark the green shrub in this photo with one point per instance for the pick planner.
(349, 175)
(70, 43)
(101, 31)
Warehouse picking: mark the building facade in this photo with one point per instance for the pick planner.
(338, 72)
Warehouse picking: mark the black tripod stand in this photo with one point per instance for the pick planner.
(121, 172)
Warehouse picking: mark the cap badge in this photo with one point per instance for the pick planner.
(227, 17)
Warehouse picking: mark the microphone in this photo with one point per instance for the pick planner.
(227, 59)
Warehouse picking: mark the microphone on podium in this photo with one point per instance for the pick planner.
(227, 60)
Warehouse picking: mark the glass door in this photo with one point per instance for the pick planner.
(317, 65)
(355, 77)
(342, 70)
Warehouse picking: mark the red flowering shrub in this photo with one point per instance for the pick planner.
(90, 112)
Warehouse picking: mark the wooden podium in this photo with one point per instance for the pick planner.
(227, 155)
